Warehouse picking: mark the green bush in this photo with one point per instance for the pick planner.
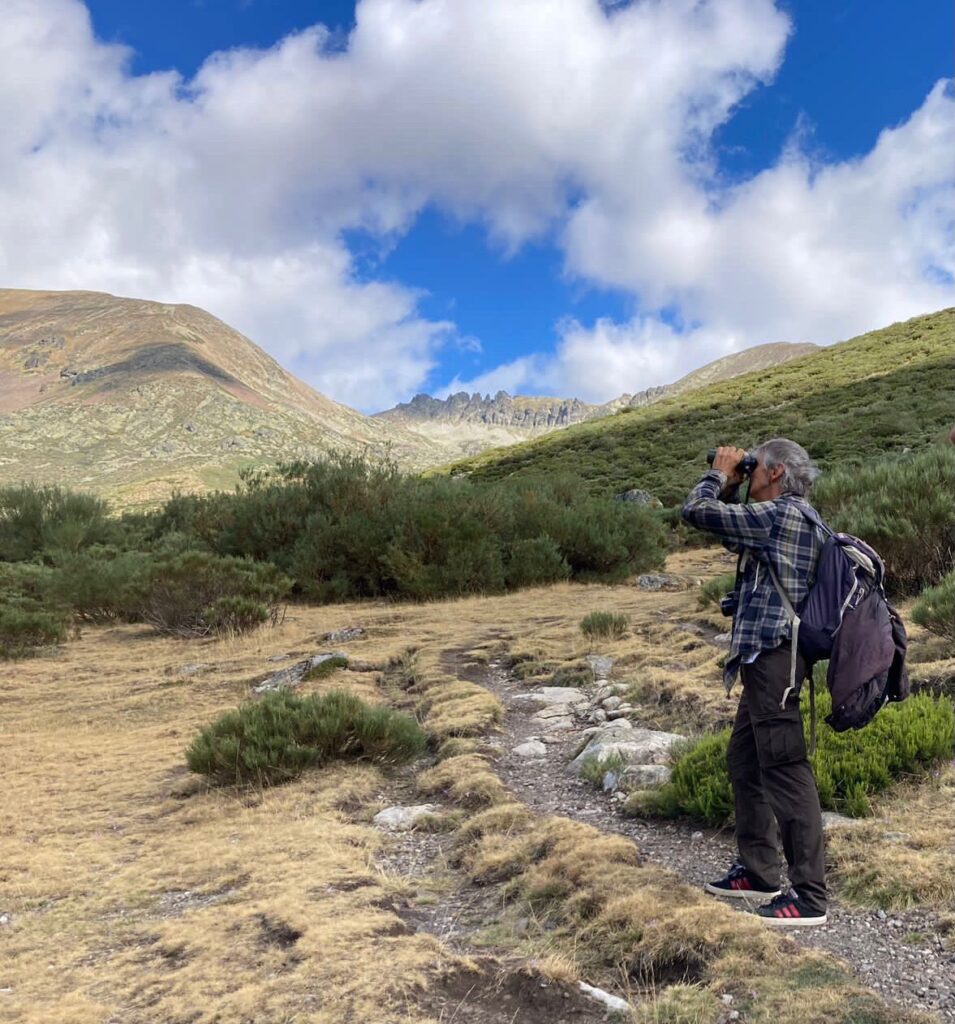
(326, 668)
(849, 767)
(26, 626)
(604, 624)
(904, 507)
(36, 519)
(346, 529)
(196, 593)
(273, 740)
(713, 591)
(535, 561)
(100, 584)
(935, 609)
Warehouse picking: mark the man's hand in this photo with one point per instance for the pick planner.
(727, 459)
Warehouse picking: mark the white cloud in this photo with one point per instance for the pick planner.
(232, 190)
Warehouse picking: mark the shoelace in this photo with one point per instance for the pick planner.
(783, 897)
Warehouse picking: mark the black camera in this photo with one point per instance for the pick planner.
(744, 467)
(729, 603)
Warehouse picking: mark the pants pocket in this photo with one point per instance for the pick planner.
(779, 741)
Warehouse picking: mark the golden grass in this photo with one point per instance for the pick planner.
(905, 856)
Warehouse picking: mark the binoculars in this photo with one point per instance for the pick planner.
(744, 467)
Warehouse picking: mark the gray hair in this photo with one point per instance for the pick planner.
(798, 470)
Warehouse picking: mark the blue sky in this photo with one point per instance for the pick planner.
(537, 261)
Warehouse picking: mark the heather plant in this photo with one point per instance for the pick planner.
(604, 625)
(273, 740)
(26, 626)
(101, 583)
(935, 608)
(904, 506)
(35, 519)
(713, 591)
(903, 739)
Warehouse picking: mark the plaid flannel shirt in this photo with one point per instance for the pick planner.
(773, 532)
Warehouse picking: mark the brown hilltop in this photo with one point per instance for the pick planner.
(134, 399)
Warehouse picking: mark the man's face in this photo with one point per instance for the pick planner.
(762, 482)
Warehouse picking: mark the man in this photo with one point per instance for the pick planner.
(767, 760)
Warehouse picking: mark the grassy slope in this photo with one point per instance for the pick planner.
(880, 392)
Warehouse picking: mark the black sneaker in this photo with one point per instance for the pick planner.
(790, 911)
(739, 885)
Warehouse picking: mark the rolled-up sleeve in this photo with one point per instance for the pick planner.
(734, 524)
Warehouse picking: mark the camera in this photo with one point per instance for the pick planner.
(744, 467)
(729, 603)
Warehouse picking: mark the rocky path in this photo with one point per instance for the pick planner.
(878, 947)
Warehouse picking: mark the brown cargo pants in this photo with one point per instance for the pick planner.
(773, 783)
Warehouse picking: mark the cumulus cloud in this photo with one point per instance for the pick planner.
(566, 119)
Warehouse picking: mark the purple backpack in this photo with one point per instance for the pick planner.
(847, 619)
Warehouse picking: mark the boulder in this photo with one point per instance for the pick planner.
(400, 819)
(644, 776)
(288, 678)
(600, 665)
(611, 703)
(637, 746)
(561, 696)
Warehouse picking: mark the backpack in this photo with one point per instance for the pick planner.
(847, 619)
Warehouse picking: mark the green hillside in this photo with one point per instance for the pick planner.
(878, 393)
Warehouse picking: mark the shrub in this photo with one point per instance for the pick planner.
(604, 624)
(273, 740)
(935, 609)
(36, 519)
(904, 507)
(101, 584)
(713, 590)
(536, 561)
(26, 626)
(849, 767)
(326, 668)
(196, 593)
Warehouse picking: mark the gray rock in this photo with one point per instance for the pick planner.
(562, 723)
(566, 696)
(400, 819)
(831, 820)
(638, 746)
(339, 636)
(193, 670)
(609, 782)
(611, 703)
(598, 715)
(612, 1002)
(644, 776)
(661, 581)
(600, 665)
(532, 748)
(288, 678)
(639, 497)
(619, 713)
(722, 639)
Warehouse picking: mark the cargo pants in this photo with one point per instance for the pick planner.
(773, 783)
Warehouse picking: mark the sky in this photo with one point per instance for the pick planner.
(561, 197)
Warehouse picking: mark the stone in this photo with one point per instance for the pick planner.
(618, 713)
(600, 665)
(639, 746)
(614, 1003)
(562, 724)
(831, 820)
(339, 636)
(896, 837)
(639, 497)
(598, 715)
(722, 639)
(192, 670)
(567, 696)
(611, 703)
(532, 748)
(278, 657)
(644, 776)
(609, 782)
(400, 819)
(661, 581)
(288, 678)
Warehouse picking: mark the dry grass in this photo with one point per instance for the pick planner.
(905, 856)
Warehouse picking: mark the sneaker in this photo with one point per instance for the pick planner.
(789, 911)
(739, 885)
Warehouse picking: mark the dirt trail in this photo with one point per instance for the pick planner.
(878, 950)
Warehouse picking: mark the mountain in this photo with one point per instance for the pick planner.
(890, 390)
(134, 399)
(469, 424)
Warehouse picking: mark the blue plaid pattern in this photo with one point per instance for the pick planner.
(773, 532)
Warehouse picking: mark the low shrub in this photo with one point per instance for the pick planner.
(326, 668)
(196, 593)
(935, 609)
(25, 626)
(101, 584)
(607, 625)
(902, 740)
(593, 769)
(534, 562)
(273, 740)
(713, 591)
